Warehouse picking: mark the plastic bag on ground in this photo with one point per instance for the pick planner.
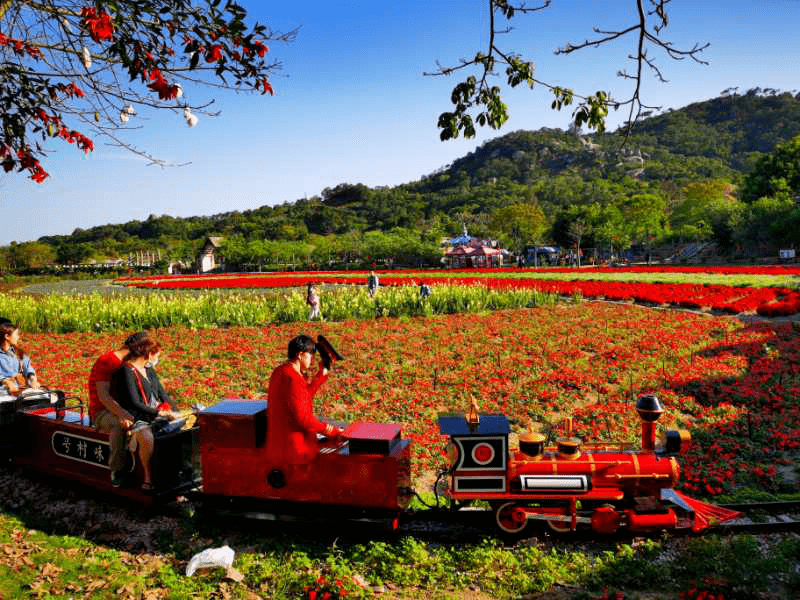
(211, 557)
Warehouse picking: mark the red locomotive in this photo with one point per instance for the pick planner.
(222, 458)
(600, 485)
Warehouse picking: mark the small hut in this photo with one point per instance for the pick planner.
(207, 259)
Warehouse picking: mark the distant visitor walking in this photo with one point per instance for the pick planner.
(312, 299)
(372, 283)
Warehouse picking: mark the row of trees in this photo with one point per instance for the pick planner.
(569, 211)
(547, 186)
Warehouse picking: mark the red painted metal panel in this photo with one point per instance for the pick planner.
(234, 424)
(372, 431)
(335, 476)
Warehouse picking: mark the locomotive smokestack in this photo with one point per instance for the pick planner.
(649, 409)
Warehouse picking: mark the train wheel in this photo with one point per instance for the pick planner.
(510, 518)
(559, 526)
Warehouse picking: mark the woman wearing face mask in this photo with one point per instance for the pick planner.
(137, 389)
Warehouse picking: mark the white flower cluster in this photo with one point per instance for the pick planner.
(191, 119)
(126, 113)
(87, 58)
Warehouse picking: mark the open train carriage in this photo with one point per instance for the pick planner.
(49, 432)
(365, 476)
(605, 486)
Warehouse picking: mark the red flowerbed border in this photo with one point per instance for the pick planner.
(770, 302)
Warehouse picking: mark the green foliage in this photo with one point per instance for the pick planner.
(707, 210)
(769, 221)
(20, 257)
(677, 170)
(97, 313)
(519, 224)
(775, 174)
(739, 563)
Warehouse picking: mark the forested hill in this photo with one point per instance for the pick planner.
(721, 137)
(549, 169)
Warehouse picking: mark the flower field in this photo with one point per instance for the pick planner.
(769, 291)
(736, 387)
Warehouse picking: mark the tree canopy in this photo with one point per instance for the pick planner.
(777, 173)
(71, 69)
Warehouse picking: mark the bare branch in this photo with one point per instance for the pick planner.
(476, 92)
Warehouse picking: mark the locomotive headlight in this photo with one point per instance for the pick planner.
(674, 442)
(452, 455)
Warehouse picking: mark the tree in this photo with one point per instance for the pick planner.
(707, 209)
(645, 217)
(73, 254)
(27, 255)
(520, 224)
(95, 64)
(771, 223)
(477, 96)
(776, 173)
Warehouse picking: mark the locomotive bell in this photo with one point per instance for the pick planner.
(649, 408)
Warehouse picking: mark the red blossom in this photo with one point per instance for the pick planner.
(160, 85)
(99, 24)
(214, 53)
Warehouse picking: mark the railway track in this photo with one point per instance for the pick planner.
(764, 517)
(757, 518)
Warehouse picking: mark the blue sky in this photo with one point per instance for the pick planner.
(352, 104)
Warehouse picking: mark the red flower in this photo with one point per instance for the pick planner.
(214, 53)
(99, 25)
(267, 87)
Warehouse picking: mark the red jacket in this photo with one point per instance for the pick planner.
(291, 427)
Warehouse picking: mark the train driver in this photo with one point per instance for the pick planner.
(291, 426)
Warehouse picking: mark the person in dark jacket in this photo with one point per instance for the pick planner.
(137, 389)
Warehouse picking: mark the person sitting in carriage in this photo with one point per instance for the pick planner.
(292, 427)
(105, 413)
(16, 371)
(136, 387)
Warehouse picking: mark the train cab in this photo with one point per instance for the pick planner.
(368, 470)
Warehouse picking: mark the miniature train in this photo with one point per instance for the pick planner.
(222, 459)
